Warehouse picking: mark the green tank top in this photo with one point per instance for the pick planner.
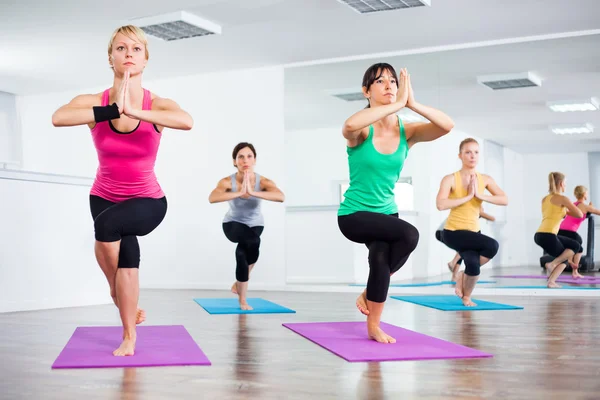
(373, 176)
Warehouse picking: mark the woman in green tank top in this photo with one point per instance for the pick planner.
(377, 145)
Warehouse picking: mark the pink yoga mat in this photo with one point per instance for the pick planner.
(350, 341)
(92, 347)
(586, 280)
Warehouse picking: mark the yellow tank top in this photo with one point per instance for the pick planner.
(552, 216)
(466, 216)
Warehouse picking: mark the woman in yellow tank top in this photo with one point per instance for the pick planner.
(555, 207)
(463, 193)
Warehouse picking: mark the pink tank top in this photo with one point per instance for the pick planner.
(126, 160)
(571, 223)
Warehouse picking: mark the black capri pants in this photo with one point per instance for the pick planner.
(471, 245)
(247, 249)
(125, 221)
(439, 235)
(574, 236)
(390, 241)
(555, 244)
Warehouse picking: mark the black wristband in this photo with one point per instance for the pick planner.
(106, 113)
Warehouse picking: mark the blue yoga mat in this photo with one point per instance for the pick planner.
(453, 283)
(232, 306)
(453, 303)
(546, 287)
(405, 284)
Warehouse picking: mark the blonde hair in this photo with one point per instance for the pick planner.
(580, 191)
(554, 181)
(465, 142)
(133, 33)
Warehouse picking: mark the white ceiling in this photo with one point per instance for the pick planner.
(54, 45)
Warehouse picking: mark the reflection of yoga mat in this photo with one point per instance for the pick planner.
(454, 303)
(92, 347)
(350, 341)
(587, 280)
(546, 287)
(232, 306)
(422, 284)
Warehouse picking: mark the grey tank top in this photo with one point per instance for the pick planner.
(245, 211)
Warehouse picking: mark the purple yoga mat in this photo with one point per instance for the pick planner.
(92, 347)
(350, 341)
(586, 280)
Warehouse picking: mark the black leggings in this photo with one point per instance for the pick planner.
(125, 221)
(390, 241)
(439, 236)
(471, 245)
(554, 244)
(247, 250)
(574, 236)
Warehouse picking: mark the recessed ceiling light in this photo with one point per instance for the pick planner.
(570, 129)
(591, 104)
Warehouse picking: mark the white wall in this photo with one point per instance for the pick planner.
(536, 168)
(511, 233)
(9, 137)
(47, 253)
(188, 249)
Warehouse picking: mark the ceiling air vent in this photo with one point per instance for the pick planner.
(510, 81)
(371, 6)
(176, 26)
(350, 96)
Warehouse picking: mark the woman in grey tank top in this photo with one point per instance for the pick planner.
(243, 223)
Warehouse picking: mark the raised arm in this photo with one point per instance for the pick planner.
(79, 111)
(164, 113)
(498, 196)
(439, 125)
(223, 192)
(484, 215)
(354, 125)
(588, 208)
(572, 210)
(269, 191)
(442, 201)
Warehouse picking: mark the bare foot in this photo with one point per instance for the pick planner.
(140, 316)
(234, 288)
(127, 348)
(454, 270)
(459, 284)
(553, 285)
(245, 306)
(361, 303)
(380, 336)
(549, 268)
(576, 274)
(467, 302)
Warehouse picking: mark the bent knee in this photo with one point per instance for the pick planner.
(412, 238)
(105, 230)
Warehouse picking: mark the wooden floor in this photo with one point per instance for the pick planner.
(549, 350)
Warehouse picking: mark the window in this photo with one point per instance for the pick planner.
(404, 193)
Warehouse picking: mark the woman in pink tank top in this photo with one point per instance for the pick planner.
(126, 200)
(570, 225)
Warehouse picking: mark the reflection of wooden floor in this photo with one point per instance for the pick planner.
(549, 350)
